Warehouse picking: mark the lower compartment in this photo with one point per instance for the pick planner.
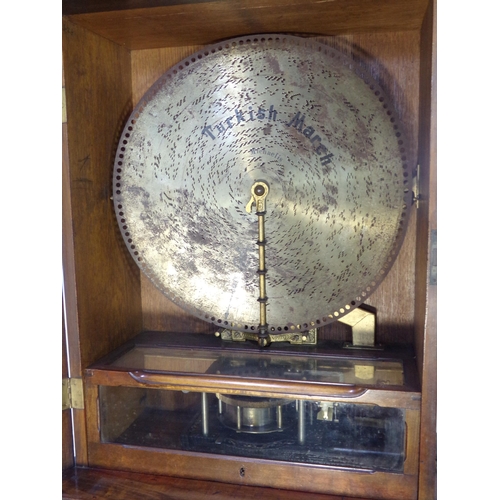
(348, 435)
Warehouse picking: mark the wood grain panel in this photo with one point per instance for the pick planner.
(201, 23)
(95, 484)
(79, 7)
(161, 314)
(255, 387)
(66, 425)
(412, 441)
(69, 276)
(74, 366)
(148, 65)
(67, 440)
(252, 472)
(426, 299)
(98, 96)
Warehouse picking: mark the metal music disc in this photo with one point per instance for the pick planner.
(297, 115)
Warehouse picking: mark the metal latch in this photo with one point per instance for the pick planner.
(416, 196)
(72, 393)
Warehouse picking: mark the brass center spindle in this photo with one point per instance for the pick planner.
(259, 193)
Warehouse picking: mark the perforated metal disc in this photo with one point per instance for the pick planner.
(297, 115)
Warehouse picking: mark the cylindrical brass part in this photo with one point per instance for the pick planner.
(262, 235)
(302, 422)
(259, 193)
(263, 314)
(204, 412)
(262, 258)
(262, 269)
(262, 286)
(238, 417)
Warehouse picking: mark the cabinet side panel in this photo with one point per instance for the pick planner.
(426, 299)
(66, 425)
(105, 282)
(73, 420)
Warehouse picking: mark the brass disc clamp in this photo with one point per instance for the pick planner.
(259, 192)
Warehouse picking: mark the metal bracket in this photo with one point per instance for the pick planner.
(309, 337)
(362, 323)
(72, 393)
(416, 187)
(361, 320)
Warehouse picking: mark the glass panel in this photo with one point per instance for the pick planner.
(274, 366)
(312, 432)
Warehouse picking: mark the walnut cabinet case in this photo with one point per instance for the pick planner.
(112, 53)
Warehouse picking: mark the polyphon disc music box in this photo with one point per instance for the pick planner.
(262, 209)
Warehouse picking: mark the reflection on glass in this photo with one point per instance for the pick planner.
(328, 433)
(273, 366)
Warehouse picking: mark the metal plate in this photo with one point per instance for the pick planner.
(291, 112)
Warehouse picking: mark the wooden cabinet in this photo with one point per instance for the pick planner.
(112, 54)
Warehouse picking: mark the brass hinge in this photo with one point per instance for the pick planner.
(72, 393)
